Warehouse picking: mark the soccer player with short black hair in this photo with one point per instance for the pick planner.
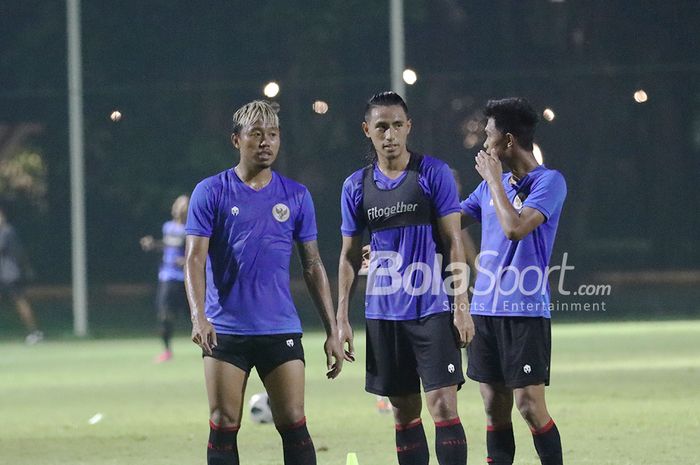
(241, 226)
(519, 212)
(409, 204)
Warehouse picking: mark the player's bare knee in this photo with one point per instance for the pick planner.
(406, 408)
(224, 419)
(443, 406)
(288, 416)
(497, 413)
(531, 409)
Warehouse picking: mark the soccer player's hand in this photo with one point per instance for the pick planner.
(147, 243)
(489, 167)
(465, 327)
(364, 267)
(334, 356)
(345, 336)
(203, 335)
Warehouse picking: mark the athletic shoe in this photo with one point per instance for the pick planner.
(164, 357)
(383, 404)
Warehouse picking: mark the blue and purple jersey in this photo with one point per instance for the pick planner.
(171, 267)
(512, 275)
(409, 253)
(251, 234)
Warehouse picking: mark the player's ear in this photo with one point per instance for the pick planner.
(510, 140)
(409, 125)
(365, 128)
(235, 140)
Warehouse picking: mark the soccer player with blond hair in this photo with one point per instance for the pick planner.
(241, 227)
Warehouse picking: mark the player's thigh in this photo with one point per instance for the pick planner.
(390, 362)
(438, 356)
(285, 388)
(525, 351)
(226, 385)
(483, 353)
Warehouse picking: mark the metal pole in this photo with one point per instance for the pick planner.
(77, 172)
(397, 47)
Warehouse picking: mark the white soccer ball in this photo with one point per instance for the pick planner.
(260, 411)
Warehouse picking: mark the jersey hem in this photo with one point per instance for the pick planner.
(386, 318)
(271, 332)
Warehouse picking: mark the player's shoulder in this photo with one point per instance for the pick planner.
(550, 176)
(355, 179)
(215, 181)
(290, 185)
(430, 162)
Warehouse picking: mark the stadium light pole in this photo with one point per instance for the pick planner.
(398, 64)
(77, 171)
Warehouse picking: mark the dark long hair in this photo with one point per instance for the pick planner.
(382, 99)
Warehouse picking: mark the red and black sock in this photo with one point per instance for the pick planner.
(411, 445)
(223, 446)
(450, 442)
(297, 444)
(500, 445)
(548, 444)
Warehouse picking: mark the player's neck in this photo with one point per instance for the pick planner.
(522, 164)
(393, 167)
(254, 177)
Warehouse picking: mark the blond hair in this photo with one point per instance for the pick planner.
(250, 113)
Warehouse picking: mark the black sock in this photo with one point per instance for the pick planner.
(166, 333)
(450, 442)
(548, 444)
(500, 445)
(411, 445)
(297, 444)
(222, 448)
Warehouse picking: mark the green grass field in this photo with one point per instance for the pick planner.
(623, 393)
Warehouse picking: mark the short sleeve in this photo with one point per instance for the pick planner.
(547, 194)
(201, 212)
(353, 221)
(472, 205)
(444, 191)
(305, 225)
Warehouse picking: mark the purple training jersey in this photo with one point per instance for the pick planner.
(411, 251)
(512, 275)
(171, 268)
(251, 234)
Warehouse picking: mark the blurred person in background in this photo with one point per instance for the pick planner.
(14, 272)
(170, 295)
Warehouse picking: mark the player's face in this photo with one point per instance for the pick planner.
(388, 128)
(258, 144)
(496, 142)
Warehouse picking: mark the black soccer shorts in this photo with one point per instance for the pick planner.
(265, 353)
(401, 354)
(510, 350)
(171, 298)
